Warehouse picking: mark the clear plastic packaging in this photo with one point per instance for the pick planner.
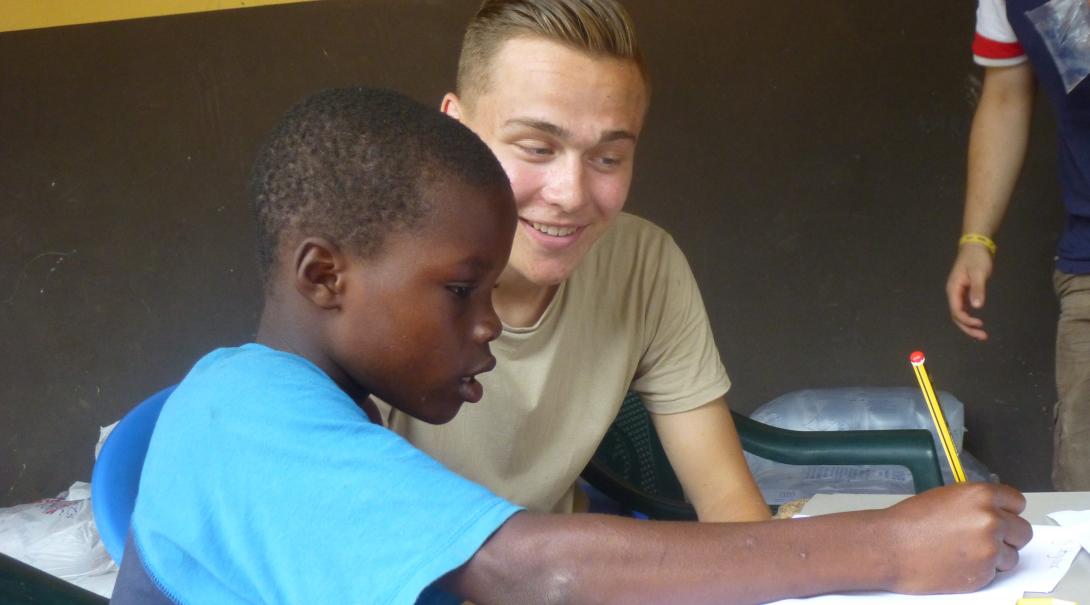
(855, 408)
(1064, 26)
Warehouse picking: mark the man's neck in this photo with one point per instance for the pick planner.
(519, 302)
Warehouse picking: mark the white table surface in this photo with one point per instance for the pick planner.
(1076, 584)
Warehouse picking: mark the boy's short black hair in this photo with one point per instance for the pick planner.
(356, 164)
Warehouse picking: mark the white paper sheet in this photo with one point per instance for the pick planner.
(1078, 521)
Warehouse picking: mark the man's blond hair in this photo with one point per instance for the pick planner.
(597, 27)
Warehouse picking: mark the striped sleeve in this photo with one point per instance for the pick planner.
(995, 44)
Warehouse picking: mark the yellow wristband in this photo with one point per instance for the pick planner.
(976, 238)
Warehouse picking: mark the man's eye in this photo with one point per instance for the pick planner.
(536, 150)
(460, 291)
(609, 162)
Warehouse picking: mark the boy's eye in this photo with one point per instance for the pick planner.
(459, 290)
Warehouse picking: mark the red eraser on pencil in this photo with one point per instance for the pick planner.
(916, 357)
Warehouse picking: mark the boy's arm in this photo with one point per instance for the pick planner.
(997, 148)
(949, 539)
(706, 454)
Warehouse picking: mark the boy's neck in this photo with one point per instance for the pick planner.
(519, 302)
(277, 329)
(282, 330)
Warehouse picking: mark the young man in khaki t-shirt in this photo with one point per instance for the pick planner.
(593, 302)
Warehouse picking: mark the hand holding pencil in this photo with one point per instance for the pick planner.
(955, 538)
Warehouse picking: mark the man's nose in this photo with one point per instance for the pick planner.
(567, 186)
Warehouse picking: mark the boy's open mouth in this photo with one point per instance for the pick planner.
(470, 390)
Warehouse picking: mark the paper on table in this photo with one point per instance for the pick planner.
(987, 596)
(1041, 565)
(1078, 521)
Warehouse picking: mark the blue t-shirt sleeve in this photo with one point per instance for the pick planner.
(266, 482)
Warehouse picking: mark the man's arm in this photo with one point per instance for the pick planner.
(950, 539)
(997, 148)
(706, 454)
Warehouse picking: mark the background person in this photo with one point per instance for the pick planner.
(1015, 59)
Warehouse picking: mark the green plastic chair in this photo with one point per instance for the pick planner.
(631, 467)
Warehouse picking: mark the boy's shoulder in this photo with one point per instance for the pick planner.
(251, 368)
(247, 357)
(247, 388)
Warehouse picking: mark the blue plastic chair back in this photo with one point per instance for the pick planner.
(116, 477)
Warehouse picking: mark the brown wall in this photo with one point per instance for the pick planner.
(807, 156)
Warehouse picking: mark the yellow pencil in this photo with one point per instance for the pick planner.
(917, 360)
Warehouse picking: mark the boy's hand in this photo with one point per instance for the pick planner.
(955, 538)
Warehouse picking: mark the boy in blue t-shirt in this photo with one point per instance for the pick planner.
(383, 226)
(269, 478)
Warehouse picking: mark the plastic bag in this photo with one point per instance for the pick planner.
(58, 536)
(1065, 27)
(855, 408)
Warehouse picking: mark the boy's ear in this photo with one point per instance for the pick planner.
(451, 106)
(320, 271)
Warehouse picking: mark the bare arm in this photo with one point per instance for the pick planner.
(997, 148)
(916, 546)
(706, 455)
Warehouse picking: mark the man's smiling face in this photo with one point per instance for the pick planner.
(564, 124)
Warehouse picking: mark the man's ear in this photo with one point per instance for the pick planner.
(451, 106)
(320, 271)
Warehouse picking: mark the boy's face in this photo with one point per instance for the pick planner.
(564, 125)
(417, 318)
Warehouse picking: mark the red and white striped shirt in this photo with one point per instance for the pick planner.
(995, 44)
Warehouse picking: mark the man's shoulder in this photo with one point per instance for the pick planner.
(627, 222)
(630, 237)
(634, 254)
